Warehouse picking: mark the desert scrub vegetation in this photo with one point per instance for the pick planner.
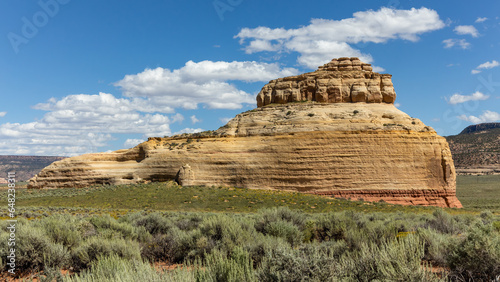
(158, 196)
(273, 244)
(475, 193)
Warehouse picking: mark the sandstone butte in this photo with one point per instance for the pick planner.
(334, 131)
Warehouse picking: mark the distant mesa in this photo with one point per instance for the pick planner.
(334, 131)
(25, 167)
(476, 150)
(476, 128)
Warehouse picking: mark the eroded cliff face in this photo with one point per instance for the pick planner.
(343, 80)
(369, 151)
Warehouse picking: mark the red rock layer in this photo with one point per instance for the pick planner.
(430, 197)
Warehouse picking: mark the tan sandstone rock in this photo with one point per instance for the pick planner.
(325, 143)
(342, 80)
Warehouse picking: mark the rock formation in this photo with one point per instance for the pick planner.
(331, 132)
(342, 80)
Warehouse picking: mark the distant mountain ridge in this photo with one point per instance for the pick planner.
(24, 166)
(477, 148)
(480, 127)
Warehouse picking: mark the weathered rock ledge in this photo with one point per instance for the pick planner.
(343, 80)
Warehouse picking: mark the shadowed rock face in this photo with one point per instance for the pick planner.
(342, 80)
(344, 149)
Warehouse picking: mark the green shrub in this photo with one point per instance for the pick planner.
(263, 245)
(95, 247)
(486, 216)
(356, 228)
(396, 260)
(265, 216)
(225, 232)
(175, 246)
(477, 256)
(189, 222)
(4, 250)
(333, 248)
(330, 227)
(109, 227)
(284, 223)
(496, 225)
(34, 249)
(86, 229)
(31, 245)
(61, 229)
(286, 230)
(218, 267)
(114, 268)
(154, 223)
(443, 222)
(437, 246)
(309, 263)
(156, 249)
(56, 257)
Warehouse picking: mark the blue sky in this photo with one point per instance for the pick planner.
(94, 76)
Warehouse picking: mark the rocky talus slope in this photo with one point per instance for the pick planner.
(351, 148)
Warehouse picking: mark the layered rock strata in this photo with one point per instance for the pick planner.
(342, 80)
(369, 151)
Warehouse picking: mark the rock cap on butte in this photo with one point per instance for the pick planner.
(343, 80)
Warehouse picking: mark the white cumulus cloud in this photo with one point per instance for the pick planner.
(480, 19)
(487, 116)
(2, 114)
(378, 69)
(205, 83)
(488, 65)
(103, 103)
(466, 29)
(83, 123)
(177, 118)
(458, 99)
(130, 143)
(324, 39)
(462, 43)
(78, 124)
(194, 119)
